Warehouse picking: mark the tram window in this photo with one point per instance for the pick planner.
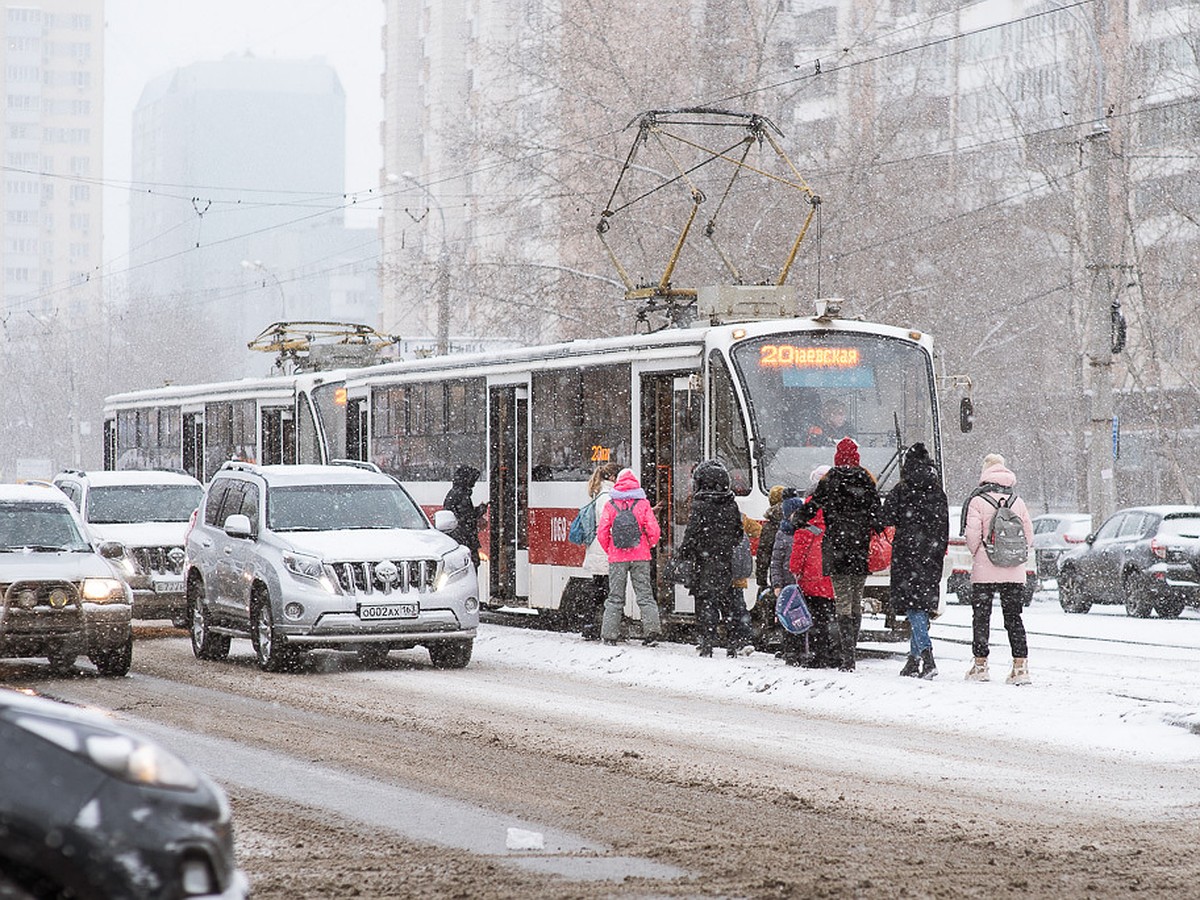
(728, 428)
(422, 431)
(232, 432)
(580, 417)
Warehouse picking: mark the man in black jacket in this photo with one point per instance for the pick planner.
(458, 501)
(850, 499)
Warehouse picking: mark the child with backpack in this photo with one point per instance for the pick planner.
(595, 560)
(627, 530)
(994, 541)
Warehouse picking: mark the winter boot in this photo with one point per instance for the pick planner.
(978, 670)
(848, 640)
(1019, 673)
(912, 667)
(928, 666)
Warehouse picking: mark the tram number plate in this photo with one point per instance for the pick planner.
(388, 611)
(167, 585)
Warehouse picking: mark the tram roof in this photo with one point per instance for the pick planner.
(667, 344)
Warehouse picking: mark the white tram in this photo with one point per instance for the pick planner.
(536, 421)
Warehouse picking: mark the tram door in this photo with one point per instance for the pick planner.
(670, 417)
(356, 430)
(508, 492)
(193, 445)
(278, 436)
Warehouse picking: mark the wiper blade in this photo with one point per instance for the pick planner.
(37, 548)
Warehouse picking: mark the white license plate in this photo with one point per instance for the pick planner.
(388, 611)
(167, 585)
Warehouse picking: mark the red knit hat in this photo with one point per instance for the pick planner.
(846, 453)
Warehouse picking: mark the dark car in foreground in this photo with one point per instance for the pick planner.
(89, 809)
(1142, 557)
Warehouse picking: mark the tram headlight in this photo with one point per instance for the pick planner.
(455, 565)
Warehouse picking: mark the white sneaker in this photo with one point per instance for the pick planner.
(978, 672)
(1019, 674)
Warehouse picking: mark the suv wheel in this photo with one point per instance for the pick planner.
(1137, 597)
(1070, 593)
(114, 663)
(273, 656)
(450, 654)
(205, 644)
(1168, 607)
(62, 662)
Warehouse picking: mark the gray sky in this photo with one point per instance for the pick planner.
(145, 38)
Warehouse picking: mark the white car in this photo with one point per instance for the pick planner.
(1053, 535)
(148, 513)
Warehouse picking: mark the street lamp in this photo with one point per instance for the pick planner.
(443, 297)
(258, 265)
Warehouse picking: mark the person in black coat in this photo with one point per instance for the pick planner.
(458, 501)
(850, 501)
(714, 528)
(917, 507)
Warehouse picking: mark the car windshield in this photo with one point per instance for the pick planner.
(127, 503)
(42, 527)
(1180, 526)
(807, 390)
(331, 507)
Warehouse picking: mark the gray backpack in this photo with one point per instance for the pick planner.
(1004, 541)
(626, 530)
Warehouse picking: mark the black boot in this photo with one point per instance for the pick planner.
(912, 667)
(847, 631)
(928, 666)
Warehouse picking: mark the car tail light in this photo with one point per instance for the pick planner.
(1158, 549)
(1072, 539)
(191, 524)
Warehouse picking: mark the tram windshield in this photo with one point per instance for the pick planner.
(808, 390)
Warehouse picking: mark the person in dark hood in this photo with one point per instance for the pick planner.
(714, 528)
(850, 500)
(458, 501)
(917, 507)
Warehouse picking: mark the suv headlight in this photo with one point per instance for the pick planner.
(103, 590)
(124, 756)
(311, 568)
(455, 565)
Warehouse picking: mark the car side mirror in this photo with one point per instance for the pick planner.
(112, 549)
(966, 415)
(238, 526)
(444, 520)
(1090, 539)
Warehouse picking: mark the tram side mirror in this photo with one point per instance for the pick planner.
(966, 415)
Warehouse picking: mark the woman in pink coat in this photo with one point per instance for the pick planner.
(996, 481)
(629, 562)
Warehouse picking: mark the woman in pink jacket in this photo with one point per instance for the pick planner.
(628, 548)
(996, 481)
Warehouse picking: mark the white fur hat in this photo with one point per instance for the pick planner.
(817, 474)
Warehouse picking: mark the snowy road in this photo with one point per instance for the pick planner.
(652, 772)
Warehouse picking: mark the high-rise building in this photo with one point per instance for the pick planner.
(238, 212)
(51, 132)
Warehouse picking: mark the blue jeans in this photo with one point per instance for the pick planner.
(919, 642)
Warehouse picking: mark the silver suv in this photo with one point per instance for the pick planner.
(62, 596)
(299, 557)
(148, 512)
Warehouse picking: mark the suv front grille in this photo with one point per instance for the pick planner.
(386, 577)
(157, 560)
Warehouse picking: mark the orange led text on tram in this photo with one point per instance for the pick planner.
(787, 356)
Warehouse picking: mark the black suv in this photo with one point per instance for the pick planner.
(1140, 557)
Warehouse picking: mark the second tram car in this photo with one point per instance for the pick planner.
(536, 421)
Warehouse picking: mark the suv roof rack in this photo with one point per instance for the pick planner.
(358, 464)
(73, 472)
(239, 465)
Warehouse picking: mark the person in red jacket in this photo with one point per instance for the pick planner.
(805, 564)
(632, 563)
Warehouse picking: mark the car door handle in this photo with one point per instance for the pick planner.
(228, 551)
(206, 544)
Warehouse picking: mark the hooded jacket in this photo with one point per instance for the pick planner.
(595, 560)
(805, 560)
(917, 507)
(714, 528)
(628, 490)
(458, 501)
(850, 500)
(979, 520)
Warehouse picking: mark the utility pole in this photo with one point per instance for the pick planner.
(1108, 34)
